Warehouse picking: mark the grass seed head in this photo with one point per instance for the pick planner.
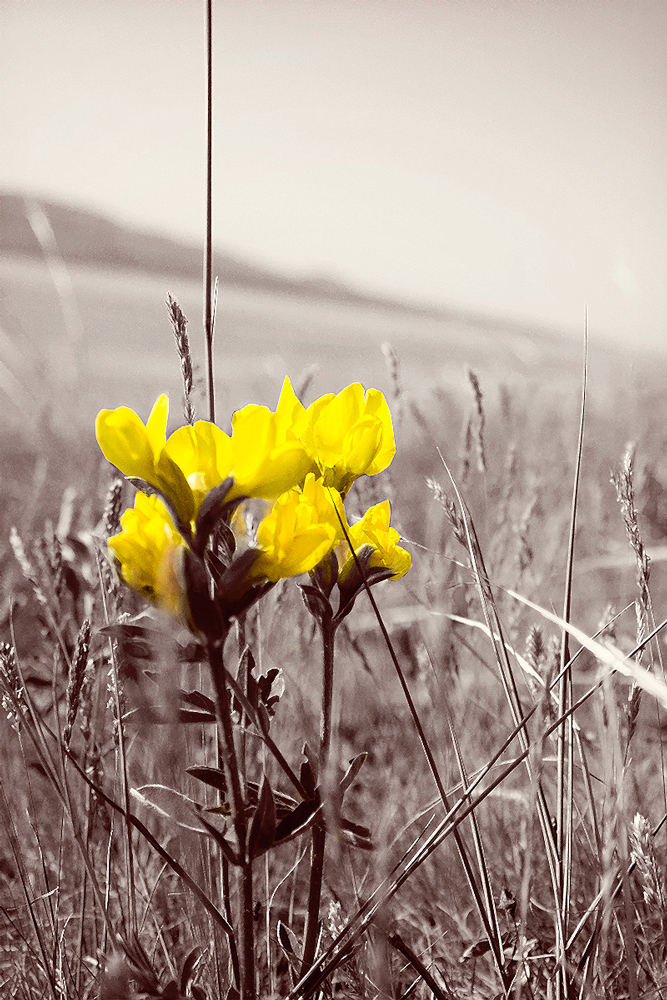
(179, 323)
(393, 365)
(112, 508)
(643, 855)
(481, 420)
(450, 509)
(12, 695)
(623, 481)
(76, 677)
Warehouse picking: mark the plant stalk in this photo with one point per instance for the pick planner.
(328, 629)
(208, 249)
(245, 923)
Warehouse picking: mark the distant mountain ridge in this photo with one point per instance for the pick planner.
(81, 236)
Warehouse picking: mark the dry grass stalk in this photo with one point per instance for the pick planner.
(27, 568)
(480, 421)
(179, 323)
(450, 509)
(642, 853)
(393, 366)
(76, 676)
(112, 507)
(305, 381)
(466, 451)
(623, 482)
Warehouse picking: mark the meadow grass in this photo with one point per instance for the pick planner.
(497, 841)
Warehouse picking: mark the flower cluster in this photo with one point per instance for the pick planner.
(220, 517)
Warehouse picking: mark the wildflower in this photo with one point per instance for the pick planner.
(138, 451)
(149, 554)
(349, 434)
(263, 455)
(268, 456)
(373, 532)
(300, 530)
(188, 552)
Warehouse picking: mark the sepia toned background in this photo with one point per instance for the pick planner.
(503, 159)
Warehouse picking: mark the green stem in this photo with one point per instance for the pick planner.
(328, 629)
(246, 924)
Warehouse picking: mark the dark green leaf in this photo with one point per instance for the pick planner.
(312, 760)
(316, 602)
(308, 779)
(156, 715)
(356, 835)
(218, 837)
(199, 700)
(287, 940)
(188, 968)
(284, 803)
(263, 826)
(212, 776)
(210, 512)
(297, 821)
(352, 771)
(188, 717)
(204, 612)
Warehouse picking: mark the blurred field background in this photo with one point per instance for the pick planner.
(437, 198)
(77, 337)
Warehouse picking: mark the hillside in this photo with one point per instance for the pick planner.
(87, 238)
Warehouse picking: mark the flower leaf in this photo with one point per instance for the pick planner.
(297, 821)
(352, 772)
(316, 603)
(263, 827)
(212, 776)
(213, 508)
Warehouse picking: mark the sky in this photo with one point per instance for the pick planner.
(503, 156)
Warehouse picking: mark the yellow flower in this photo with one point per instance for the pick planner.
(149, 554)
(137, 450)
(350, 435)
(374, 530)
(268, 457)
(203, 453)
(263, 455)
(300, 530)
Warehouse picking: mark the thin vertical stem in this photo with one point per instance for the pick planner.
(246, 923)
(208, 250)
(318, 845)
(328, 638)
(565, 741)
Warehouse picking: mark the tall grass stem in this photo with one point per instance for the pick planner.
(208, 250)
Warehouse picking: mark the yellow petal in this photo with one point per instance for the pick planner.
(290, 411)
(361, 446)
(156, 425)
(124, 441)
(301, 528)
(203, 453)
(350, 435)
(149, 554)
(374, 529)
(376, 406)
(267, 458)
